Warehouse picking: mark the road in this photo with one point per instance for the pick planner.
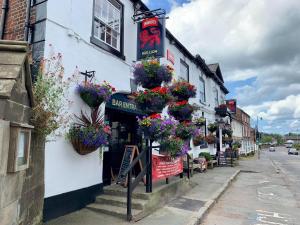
(266, 193)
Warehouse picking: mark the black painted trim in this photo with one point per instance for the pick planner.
(104, 46)
(65, 203)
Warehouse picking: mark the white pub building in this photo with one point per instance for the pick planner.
(100, 36)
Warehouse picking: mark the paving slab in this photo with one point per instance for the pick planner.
(184, 210)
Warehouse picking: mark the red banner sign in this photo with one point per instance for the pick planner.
(170, 56)
(150, 22)
(165, 166)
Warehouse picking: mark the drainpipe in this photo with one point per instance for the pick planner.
(27, 20)
(3, 18)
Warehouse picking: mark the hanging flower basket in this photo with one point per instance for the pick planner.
(87, 139)
(181, 110)
(94, 94)
(212, 127)
(183, 90)
(174, 147)
(156, 128)
(227, 140)
(198, 140)
(199, 122)
(150, 74)
(221, 110)
(153, 100)
(185, 130)
(227, 131)
(89, 133)
(210, 139)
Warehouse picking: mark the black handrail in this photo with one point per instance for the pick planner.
(132, 185)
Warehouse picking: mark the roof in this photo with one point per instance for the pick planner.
(196, 59)
(215, 68)
(13, 58)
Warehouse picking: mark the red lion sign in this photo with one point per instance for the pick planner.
(151, 34)
(151, 37)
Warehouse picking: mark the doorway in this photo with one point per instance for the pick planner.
(124, 128)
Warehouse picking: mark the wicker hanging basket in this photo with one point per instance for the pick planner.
(81, 148)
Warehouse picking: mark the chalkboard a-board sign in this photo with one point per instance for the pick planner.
(129, 154)
(222, 159)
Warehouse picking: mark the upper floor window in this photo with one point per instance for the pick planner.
(216, 97)
(184, 70)
(202, 90)
(107, 25)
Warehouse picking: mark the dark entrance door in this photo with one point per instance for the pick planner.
(124, 132)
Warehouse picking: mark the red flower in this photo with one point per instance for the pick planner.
(184, 102)
(160, 90)
(155, 116)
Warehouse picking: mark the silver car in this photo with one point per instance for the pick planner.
(293, 151)
(272, 149)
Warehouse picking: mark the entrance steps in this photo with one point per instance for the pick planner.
(113, 201)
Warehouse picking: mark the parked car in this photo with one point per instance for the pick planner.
(272, 149)
(293, 151)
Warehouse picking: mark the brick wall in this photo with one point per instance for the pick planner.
(15, 20)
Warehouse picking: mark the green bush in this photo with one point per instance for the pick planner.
(206, 155)
(296, 146)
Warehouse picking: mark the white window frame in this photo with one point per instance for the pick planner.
(184, 65)
(202, 97)
(102, 20)
(216, 97)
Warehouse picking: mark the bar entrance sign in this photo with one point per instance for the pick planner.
(130, 152)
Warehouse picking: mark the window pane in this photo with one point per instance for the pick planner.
(115, 42)
(97, 8)
(108, 35)
(110, 21)
(104, 11)
(107, 27)
(184, 71)
(96, 29)
(102, 32)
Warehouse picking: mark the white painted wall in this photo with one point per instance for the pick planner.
(68, 29)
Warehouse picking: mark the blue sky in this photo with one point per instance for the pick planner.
(164, 4)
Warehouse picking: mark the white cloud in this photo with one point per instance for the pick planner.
(145, 1)
(250, 38)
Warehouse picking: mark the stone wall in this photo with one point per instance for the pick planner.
(21, 192)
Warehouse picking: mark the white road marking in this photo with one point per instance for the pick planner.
(272, 218)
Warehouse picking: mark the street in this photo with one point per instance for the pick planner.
(267, 192)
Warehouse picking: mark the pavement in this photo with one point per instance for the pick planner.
(267, 192)
(188, 209)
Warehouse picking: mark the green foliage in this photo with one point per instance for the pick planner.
(212, 127)
(296, 146)
(206, 155)
(266, 139)
(49, 92)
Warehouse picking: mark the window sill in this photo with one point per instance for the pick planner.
(107, 48)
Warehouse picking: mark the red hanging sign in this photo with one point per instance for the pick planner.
(150, 22)
(170, 56)
(150, 38)
(165, 166)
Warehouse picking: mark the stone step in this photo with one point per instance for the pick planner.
(111, 210)
(120, 201)
(135, 195)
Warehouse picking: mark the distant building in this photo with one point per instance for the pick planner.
(294, 138)
(243, 132)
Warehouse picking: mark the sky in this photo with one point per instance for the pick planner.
(256, 42)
